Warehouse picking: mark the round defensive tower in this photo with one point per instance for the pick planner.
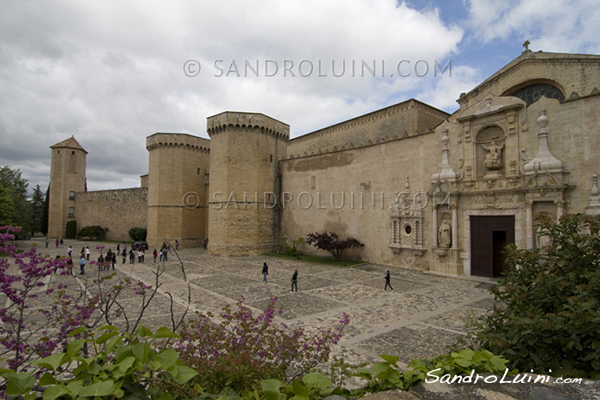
(177, 189)
(243, 215)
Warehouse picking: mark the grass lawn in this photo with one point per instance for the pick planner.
(317, 259)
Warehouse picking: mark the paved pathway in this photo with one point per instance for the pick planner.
(419, 318)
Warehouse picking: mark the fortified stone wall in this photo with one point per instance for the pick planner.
(364, 184)
(115, 210)
(406, 119)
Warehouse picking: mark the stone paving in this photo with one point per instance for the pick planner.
(420, 318)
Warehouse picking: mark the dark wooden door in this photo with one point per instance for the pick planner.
(489, 236)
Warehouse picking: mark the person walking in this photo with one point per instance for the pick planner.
(101, 262)
(295, 281)
(155, 254)
(69, 265)
(387, 281)
(124, 254)
(47, 241)
(87, 253)
(265, 272)
(82, 265)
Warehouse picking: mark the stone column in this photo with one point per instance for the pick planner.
(560, 209)
(435, 226)
(454, 226)
(529, 224)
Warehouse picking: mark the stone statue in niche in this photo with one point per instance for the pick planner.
(444, 235)
(543, 238)
(493, 158)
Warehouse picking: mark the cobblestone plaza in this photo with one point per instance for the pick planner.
(419, 318)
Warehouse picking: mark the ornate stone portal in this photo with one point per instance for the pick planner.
(407, 222)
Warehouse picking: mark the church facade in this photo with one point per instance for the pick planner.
(421, 188)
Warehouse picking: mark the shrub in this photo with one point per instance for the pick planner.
(386, 375)
(244, 349)
(93, 232)
(138, 234)
(121, 365)
(71, 229)
(291, 249)
(547, 312)
(332, 243)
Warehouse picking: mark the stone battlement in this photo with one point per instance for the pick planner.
(177, 139)
(220, 122)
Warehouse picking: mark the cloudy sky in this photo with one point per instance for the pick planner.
(113, 72)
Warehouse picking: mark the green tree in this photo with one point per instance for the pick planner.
(7, 207)
(16, 188)
(37, 209)
(46, 210)
(547, 312)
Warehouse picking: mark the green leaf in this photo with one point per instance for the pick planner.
(112, 343)
(167, 358)
(75, 387)
(300, 391)
(271, 385)
(164, 333)
(54, 392)
(106, 336)
(390, 359)
(381, 370)
(18, 383)
(47, 379)
(78, 331)
(316, 380)
(141, 350)
(52, 362)
(181, 374)
(98, 389)
(466, 354)
(143, 331)
(499, 363)
(74, 347)
(126, 363)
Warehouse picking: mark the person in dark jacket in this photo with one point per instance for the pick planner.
(265, 272)
(295, 281)
(387, 281)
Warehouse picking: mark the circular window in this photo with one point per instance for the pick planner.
(408, 229)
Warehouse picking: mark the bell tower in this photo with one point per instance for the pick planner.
(67, 177)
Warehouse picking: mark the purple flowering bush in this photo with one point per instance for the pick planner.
(22, 281)
(244, 349)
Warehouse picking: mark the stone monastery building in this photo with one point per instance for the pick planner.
(419, 187)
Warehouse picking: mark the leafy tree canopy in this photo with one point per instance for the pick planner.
(330, 241)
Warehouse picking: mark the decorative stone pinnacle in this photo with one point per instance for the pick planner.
(407, 184)
(445, 140)
(544, 161)
(543, 122)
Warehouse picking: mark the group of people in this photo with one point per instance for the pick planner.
(294, 288)
(105, 262)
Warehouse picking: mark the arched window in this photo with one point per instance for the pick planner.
(533, 92)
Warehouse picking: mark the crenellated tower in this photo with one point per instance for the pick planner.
(244, 182)
(177, 189)
(67, 177)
